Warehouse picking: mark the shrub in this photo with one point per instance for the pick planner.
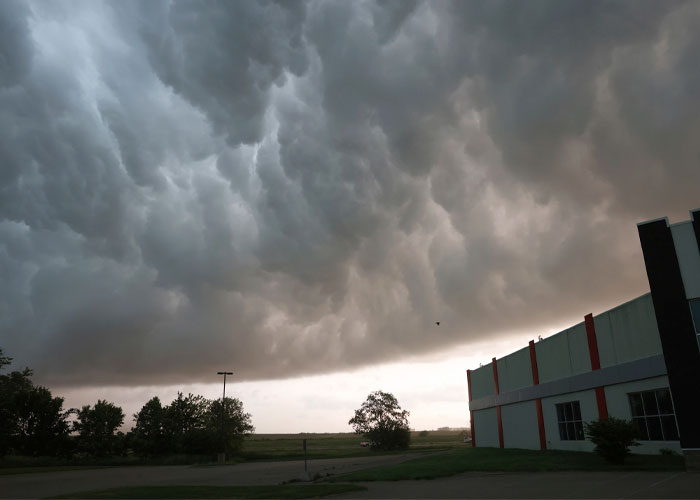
(423, 434)
(612, 437)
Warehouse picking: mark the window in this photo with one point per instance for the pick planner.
(652, 413)
(695, 313)
(569, 419)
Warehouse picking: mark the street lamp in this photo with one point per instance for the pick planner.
(222, 456)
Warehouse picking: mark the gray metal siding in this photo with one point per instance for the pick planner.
(520, 429)
(688, 257)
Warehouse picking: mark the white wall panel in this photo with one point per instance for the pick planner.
(486, 428)
(482, 382)
(515, 371)
(688, 257)
(520, 428)
(628, 332)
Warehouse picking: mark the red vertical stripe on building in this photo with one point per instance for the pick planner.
(471, 413)
(495, 374)
(592, 342)
(595, 365)
(540, 424)
(500, 427)
(533, 363)
(538, 402)
(602, 404)
(498, 408)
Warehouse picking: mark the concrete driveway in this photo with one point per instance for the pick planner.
(44, 484)
(673, 484)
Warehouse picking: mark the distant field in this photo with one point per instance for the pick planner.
(259, 447)
(289, 446)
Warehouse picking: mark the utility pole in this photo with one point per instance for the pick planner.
(222, 455)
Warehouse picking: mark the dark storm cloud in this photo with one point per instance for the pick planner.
(297, 187)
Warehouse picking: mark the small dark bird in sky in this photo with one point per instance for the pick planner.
(437, 323)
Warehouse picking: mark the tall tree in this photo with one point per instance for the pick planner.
(96, 427)
(228, 424)
(382, 421)
(148, 434)
(32, 421)
(185, 424)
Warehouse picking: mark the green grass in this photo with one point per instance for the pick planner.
(285, 491)
(512, 460)
(259, 447)
(289, 446)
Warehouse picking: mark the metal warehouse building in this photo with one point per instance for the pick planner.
(639, 361)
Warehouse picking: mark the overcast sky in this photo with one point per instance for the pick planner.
(303, 188)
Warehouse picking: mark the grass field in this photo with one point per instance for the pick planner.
(258, 447)
(296, 491)
(494, 459)
(289, 446)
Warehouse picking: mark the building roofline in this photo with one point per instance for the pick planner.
(654, 220)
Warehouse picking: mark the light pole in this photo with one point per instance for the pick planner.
(222, 456)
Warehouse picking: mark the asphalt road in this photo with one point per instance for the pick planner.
(672, 484)
(44, 484)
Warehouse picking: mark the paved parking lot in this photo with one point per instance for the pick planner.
(674, 484)
(44, 484)
(541, 485)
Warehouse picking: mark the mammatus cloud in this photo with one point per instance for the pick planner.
(290, 188)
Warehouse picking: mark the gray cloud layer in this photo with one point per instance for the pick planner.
(287, 188)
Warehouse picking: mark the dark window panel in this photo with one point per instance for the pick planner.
(562, 431)
(649, 399)
(571, 430)
(695, 313)
(668, 424)
(640, 423)
(577, 410)
(560, 413)
(579, 431)
(654, 425)
(663, 396)
(568, 413)
(636, 404)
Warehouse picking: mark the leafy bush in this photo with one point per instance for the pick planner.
(423, 434)
(612, 437)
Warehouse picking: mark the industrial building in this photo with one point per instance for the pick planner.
(639, 361)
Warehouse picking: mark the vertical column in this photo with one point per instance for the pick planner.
(595, 364)
(498, 408)
(538, 401)
(676, 330)
(471, 413)
(695, 220)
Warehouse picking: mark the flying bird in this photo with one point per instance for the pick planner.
(437, 323)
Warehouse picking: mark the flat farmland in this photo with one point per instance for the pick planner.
(289, 446)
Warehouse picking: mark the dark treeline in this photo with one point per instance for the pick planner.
(34, 423)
